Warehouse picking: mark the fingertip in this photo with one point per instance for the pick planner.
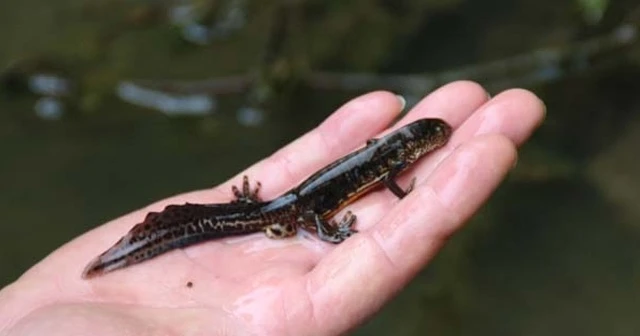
(383, 101)
(376, 110)
(453, 102)
(468, 85)
(466, 178)
(514, 113)
(466, 89)
(530, 108)
(503, 149)
(359, 119)
(402, 100)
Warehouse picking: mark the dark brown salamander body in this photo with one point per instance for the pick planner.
(311, 205)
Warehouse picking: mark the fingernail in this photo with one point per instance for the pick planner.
(544, 109)
(403, 102)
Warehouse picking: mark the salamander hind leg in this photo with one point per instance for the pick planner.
(246, 195)
(346, 223)
(331, 231)
(279, 231)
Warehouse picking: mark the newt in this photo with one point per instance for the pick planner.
(310, 206)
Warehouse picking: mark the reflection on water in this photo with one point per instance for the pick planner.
(50, 85)
(231, 18)
(553, 253)
(49, 108)
(250, 116)
(191, 104)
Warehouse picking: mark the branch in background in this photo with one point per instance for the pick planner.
(218, 86)
(280, 68)
(535, 67)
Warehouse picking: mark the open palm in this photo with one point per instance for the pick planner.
(297, 286)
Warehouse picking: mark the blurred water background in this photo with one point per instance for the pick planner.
(108, 105)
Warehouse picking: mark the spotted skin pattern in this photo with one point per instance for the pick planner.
(309, 206)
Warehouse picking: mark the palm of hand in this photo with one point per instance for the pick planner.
(300, 286)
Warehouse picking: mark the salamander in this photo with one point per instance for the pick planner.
(311, 205)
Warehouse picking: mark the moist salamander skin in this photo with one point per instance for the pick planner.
(310, 206)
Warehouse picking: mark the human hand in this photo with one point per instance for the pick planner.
(296, 286)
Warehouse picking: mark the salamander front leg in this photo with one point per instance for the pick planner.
(391, 184)
(330, 231)
(390, 181)
(246, 195)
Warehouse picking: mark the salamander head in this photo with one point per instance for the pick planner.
(423, 136)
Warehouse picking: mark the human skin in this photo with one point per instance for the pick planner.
(253, 285)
